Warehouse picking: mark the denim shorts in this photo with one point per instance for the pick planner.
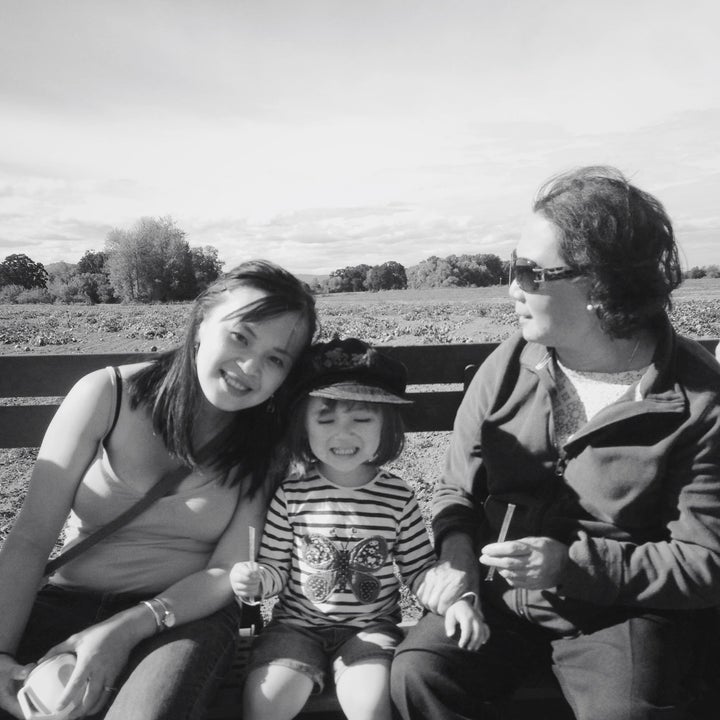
(315, 651)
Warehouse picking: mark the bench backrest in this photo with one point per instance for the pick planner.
(31, 386)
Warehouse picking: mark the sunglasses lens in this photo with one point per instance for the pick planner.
(524, 277)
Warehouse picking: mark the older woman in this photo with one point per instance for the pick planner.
(595, 434)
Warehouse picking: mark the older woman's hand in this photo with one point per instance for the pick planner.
(534, 563)
(441, 586)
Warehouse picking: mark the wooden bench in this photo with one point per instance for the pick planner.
(31, 387)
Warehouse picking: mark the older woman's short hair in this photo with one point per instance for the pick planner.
(620, 238)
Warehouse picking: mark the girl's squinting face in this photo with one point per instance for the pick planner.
(241, 364)
(556, 315)
(344, 436)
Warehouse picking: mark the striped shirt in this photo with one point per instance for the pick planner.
(336, 555)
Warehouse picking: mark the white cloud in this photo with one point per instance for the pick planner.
(326, 133)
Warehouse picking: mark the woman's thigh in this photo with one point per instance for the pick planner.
(637, 669)
(431, 677)
(175, 674)
(56, 614)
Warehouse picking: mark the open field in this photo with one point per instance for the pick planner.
(392, 317)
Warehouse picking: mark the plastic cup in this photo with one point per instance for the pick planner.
(39, 695)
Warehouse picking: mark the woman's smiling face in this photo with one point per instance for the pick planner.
(240, 364)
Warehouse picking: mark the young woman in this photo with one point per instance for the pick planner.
(334, 535)
(148, 611)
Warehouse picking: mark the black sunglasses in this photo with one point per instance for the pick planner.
(528, 274)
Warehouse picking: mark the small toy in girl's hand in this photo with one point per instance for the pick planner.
(43, 687)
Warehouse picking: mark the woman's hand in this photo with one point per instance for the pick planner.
(441, 586)
(474, 632)
(246, 581)
(102, 652)
(456, 573)
(534, 563)
(12, 675)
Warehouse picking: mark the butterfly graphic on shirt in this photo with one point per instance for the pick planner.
(337, 566)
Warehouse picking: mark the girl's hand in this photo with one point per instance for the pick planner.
(474, 631)
(246, 581)
(12, 675)
(102, 652)
(534, 563)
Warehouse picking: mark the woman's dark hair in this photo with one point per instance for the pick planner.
(620, 238)
(169, 386)
(392, 436)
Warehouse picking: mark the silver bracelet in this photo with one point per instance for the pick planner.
(156, 616)
(472, 598)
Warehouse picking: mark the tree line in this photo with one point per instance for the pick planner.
(452, 271)
(150, 262)
(153, 262)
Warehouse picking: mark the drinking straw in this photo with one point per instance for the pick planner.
(251, 539)
(503, 534)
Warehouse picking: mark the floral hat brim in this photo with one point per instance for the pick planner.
(357, 392)
(351, 369)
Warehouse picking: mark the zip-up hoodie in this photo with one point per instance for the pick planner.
(635, 494)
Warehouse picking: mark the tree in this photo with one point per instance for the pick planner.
(92, 277)
(206, 266)
(349, 279)
(21, 270)
(388, 276)
(92, 262)
(151, 261)
(432, 272)
(458, 271)
(696, 272)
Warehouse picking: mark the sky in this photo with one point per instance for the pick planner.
(327, 133)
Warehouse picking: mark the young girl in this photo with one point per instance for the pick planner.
(334, 537)
(133, 607)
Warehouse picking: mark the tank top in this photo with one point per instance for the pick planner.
(170, 540)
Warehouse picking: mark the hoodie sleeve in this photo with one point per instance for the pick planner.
(454, 506)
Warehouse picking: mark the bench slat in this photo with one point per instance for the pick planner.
(54, 375)
(24, 425)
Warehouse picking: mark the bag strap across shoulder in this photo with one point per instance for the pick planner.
(162, 487)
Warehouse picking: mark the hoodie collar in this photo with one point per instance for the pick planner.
(658, 384)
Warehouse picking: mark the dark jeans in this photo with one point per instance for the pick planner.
(173, 675)
(636, 669)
